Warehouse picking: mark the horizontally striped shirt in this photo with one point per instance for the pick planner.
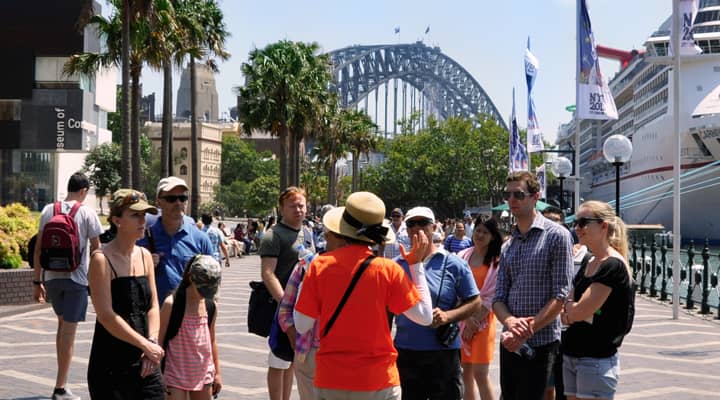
(189, 361)
(454, 245)
(535, 268)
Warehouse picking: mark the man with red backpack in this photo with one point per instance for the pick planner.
(60, 268)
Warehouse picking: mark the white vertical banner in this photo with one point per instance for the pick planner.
(534, 135)
(594, 99)
(688, 11)
(540, 173)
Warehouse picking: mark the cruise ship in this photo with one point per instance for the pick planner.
(643, 93)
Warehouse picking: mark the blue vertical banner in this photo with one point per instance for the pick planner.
(518, 156)
(594, 99)
(534, 135)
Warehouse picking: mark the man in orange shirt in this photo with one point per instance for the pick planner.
(356, 354)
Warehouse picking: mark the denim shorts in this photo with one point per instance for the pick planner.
(69, 299)
(591, 378)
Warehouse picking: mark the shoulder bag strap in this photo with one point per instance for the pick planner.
(442, 280)
(349, 290)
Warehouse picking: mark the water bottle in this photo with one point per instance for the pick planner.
(305, 256)
(526, 351)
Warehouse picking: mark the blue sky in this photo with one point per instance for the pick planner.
(486, 37)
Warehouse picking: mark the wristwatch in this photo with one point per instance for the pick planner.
(38, 283)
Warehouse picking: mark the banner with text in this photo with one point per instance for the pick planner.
(534, 135)
(518, 155)
(594, 99)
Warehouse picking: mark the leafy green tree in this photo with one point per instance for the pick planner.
(285, 89)
(447, 166)
(102, 167)
(240, 161)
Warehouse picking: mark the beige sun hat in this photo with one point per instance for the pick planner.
(362, 218)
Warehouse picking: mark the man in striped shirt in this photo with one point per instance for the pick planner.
(533, 281)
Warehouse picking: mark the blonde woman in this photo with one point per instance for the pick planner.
(125, 355)
(598, 311)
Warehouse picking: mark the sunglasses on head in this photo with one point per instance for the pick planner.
(417, 222)
(171, 198)
(518, 195)
(583, 221)
(132, 198)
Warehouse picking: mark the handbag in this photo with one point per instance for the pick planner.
(447, 333)
(261, 309)
(279, 341)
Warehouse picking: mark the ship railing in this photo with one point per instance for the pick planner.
(652, 270)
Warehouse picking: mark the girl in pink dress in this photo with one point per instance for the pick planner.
(187, 331)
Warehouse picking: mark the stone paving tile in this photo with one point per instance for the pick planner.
(660, 359)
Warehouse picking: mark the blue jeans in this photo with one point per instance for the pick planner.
(591, 378)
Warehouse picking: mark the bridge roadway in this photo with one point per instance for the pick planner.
(660, 359)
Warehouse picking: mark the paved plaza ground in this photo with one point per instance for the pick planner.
(660, 359)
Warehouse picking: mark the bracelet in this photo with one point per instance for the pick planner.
(152, 340)
(38, 283)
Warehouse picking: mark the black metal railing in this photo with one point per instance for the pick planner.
(652, 270)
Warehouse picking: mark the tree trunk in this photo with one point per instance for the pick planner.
(332, 181)
(194, 145)
(126, 159)
(135, 128)
(355, 170)
(284, 157)
(292, 158)
(166, 151)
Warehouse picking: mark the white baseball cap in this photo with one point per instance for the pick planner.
(423, 212)
(169, 183)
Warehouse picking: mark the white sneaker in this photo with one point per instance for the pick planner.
(68, 395)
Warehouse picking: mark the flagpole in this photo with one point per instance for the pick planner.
(576, 204)
(676, 157)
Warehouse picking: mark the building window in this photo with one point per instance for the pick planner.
(183, 170)
(27, 177)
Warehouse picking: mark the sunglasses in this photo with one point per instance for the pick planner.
(417, 222)
(171, 198)
(517, 195)
(132, 198)
(583, 221)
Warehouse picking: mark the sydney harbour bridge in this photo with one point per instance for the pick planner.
(390, 82)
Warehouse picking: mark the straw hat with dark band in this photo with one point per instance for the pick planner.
(362, 218)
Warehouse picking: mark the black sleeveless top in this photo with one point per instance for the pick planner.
(115, 365)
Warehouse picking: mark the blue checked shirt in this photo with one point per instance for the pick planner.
(534, 269)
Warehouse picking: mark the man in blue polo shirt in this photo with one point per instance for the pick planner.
(173, 239)
(428, 368)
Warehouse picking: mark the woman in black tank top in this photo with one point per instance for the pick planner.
(125, 357)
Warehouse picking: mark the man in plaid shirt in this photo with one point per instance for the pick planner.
(536, 264)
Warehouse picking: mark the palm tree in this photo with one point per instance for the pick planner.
(119, 39)
(332, 145)
(204, 37)
(361, 139)
(285, 92)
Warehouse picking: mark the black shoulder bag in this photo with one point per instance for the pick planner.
(447, 333)
(349, 290)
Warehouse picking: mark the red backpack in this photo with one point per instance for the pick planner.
(60, 242)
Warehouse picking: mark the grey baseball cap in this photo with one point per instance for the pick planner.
(206, 273)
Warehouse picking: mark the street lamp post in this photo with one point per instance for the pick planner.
(562, 167)
(617, 150)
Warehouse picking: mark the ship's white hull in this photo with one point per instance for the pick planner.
(646, 186)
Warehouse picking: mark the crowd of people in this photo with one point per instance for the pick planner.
(398, 308)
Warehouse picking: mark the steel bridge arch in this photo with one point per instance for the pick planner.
(358, 70)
